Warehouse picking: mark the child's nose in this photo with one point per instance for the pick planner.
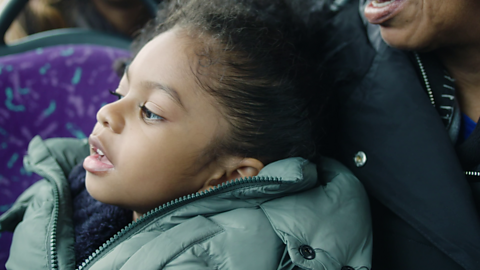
(109, 116)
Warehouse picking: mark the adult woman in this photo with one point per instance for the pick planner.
(401, 131)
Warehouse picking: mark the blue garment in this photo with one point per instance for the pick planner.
(468, 125)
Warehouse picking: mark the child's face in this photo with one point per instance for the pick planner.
(152, 137)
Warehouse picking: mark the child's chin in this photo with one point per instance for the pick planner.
(94, 188)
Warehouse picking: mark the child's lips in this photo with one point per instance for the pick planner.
(97, 146)
(98, 160)
(96, 163)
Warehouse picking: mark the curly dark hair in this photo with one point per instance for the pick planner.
(256, 48)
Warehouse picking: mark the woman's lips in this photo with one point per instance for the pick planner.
(380, 11)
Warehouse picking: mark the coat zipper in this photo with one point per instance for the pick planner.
(425, 79)
(53, 231)
(430, 95)
(152, 214)
(472, 173)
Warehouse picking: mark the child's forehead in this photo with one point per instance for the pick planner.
(169, 60)
(165, 49)
(193, 54)
(174, 42)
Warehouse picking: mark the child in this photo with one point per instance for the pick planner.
(200, 164)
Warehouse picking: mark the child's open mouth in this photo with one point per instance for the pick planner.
(97, 162)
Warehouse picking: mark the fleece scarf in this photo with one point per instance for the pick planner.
(94, 222)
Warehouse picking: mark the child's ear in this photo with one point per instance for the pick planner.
(235, 168)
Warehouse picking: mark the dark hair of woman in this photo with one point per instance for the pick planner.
(260, 76)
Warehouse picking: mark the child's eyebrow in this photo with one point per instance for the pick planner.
(156, 85)
(170, 91)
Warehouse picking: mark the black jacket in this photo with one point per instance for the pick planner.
(410, 162)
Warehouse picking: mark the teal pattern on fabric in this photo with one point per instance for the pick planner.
(12, 160)
(3, 132)
(24, 91)
(8, 68)
(43, 70)
(9, 104)
(23, 171)
(67, 52)
(4, 208)
(3, 145)
(51, 108)
(77, 76)
(39, 51)
(75, 131)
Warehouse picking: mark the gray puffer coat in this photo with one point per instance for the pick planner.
(279, 219)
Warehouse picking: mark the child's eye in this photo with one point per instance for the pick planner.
(149, 115)
(118, 95)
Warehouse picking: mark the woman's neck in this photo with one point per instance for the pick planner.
(463, 63)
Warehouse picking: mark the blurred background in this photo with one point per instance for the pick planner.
(120, 17)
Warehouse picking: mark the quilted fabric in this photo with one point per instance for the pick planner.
(51, 92)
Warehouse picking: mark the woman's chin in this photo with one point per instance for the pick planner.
(405, 41)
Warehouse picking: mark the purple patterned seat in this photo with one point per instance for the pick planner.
(52, 92)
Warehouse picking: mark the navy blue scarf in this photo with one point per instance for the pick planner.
(94, 222)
